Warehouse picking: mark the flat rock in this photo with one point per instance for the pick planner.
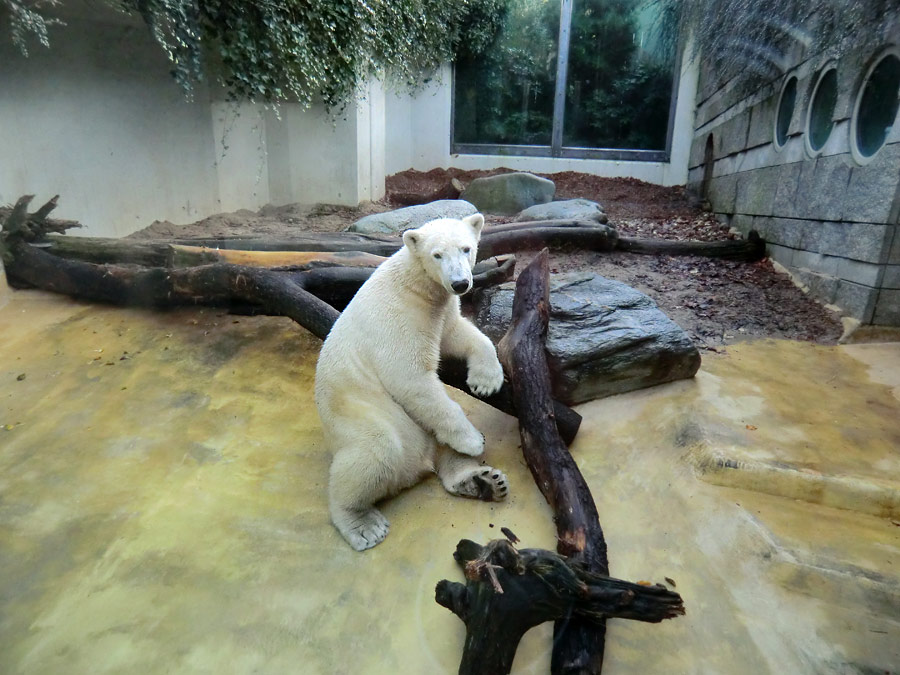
(604, 338)
(569, 209)
(509, 193)
(391, 222)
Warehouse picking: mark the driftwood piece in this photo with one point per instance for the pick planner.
(578, 643)
(748, 250)
(508, 591)
(187, 256)
(307, 297)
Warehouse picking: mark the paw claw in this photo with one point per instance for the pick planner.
(487, 484)
(364, 530)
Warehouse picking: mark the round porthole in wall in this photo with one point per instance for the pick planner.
(785, 111)
(876, 107)
(820, 116)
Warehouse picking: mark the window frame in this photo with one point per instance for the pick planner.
(787, 136)
(822, 73)
(556, 149)
(855, 152)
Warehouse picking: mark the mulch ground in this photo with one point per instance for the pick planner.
(717, 302)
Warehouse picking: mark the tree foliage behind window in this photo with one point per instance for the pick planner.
(300, 50)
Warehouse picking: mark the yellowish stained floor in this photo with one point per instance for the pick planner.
(162, 508)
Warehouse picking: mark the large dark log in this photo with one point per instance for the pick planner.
(509, 591)
(304, 296)
(578, 644)
(749, 250)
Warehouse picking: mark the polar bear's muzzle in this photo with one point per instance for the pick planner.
(461, 286)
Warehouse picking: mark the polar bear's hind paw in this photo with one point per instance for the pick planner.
(365, 529)
(487, 484)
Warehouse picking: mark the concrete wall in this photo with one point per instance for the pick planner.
(418, 135)
(98, 120)
(829, 219)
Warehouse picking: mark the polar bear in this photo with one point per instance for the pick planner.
(377, 390)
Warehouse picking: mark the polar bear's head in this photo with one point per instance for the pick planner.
(446, 249)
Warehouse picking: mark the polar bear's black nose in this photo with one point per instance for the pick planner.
(460, 286)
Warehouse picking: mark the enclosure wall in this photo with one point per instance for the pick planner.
(98, 119)
(828, 217)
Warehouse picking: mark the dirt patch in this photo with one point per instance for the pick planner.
(717, 302)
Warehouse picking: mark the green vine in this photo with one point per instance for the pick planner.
(302, 50)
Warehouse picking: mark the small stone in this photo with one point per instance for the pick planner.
(20, 377)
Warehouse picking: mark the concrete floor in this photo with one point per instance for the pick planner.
(162, 508)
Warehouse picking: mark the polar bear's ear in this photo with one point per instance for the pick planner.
(411, 239)
(476, 222)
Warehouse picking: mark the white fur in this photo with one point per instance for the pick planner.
(379, 397)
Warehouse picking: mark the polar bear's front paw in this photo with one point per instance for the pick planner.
(364, 529)
(485, 377)
(484, 483)
(468, 441)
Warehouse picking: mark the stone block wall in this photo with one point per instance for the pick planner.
(830, 219)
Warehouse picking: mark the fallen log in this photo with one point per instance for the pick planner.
(509, 591)
(304, 296)
(187, 256)
(578, 642)
(751, 249)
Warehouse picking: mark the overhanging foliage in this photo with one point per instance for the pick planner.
(300, 50)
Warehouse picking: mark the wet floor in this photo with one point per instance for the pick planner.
(162, 508)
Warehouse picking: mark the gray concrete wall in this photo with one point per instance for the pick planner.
(829, 219)
(97, 119)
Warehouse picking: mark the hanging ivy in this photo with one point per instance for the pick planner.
(300, 50)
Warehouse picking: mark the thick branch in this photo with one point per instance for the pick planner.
(578, 646)
(750, 249)
(509, 591)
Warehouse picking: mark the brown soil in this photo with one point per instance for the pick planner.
(717, 302)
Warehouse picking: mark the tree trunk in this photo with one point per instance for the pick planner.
(578, 643)
(749, 250)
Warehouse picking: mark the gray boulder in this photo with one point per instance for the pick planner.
(508, 193)
(391, 222)
(569, 209)
(605, 337)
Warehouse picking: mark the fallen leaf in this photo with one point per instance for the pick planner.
(751, 427)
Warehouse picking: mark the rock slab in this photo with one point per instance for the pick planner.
(605, 337)
(391, 222)
(509, 193)
(569, 209)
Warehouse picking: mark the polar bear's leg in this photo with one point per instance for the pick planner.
(466, 477)
(379, 451)
(464, 340)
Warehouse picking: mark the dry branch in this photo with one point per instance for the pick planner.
(578, 644)
(508, 591)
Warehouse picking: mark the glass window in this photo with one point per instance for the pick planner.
(821, 110)
(785, 111)
(505, 96)
(876, 107)
(620, 78)
(616, 95)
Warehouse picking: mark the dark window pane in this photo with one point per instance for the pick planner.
(821, 113)
(620, 77)
(785, 111)
(505, 95)
(878, 106)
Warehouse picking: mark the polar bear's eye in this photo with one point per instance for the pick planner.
(466, 249)
(437, 256)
